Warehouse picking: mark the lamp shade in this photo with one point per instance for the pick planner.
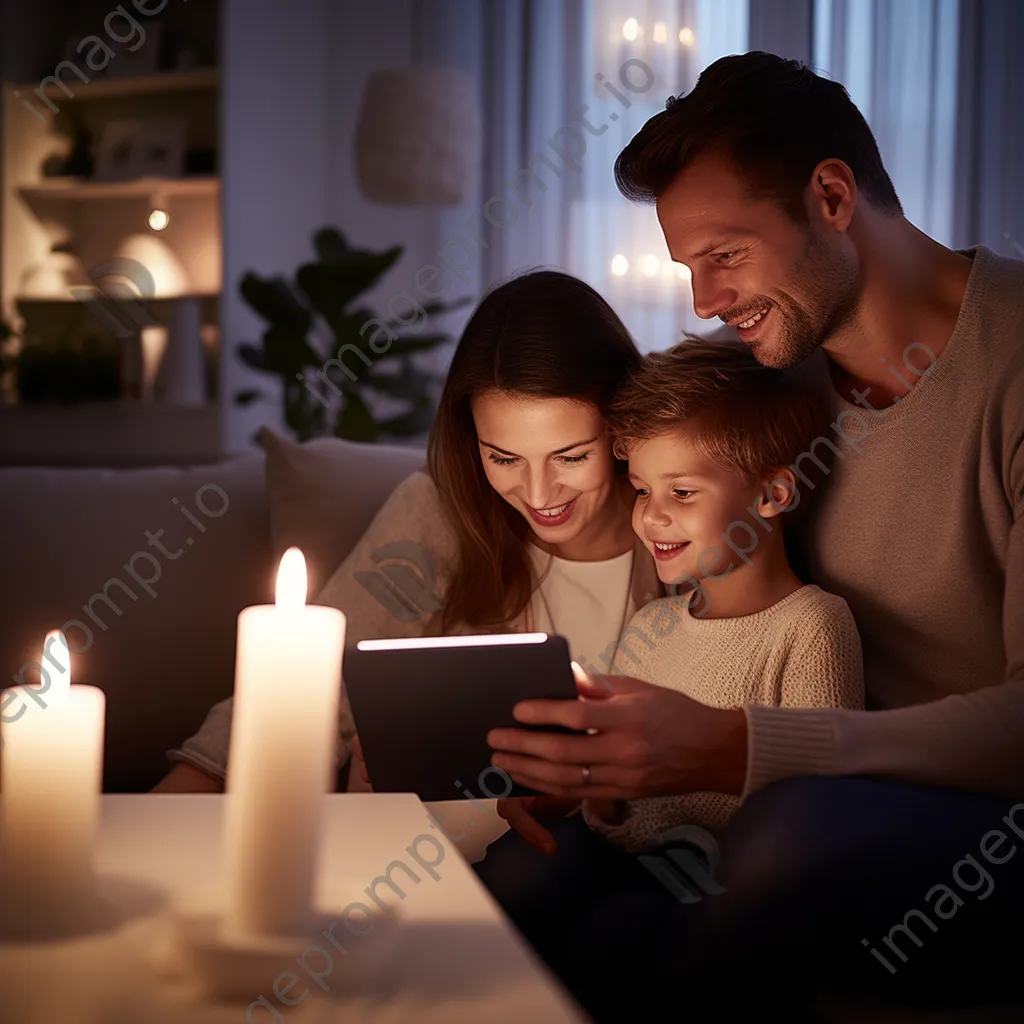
(53, 277)
(170, 279)
(419, 139)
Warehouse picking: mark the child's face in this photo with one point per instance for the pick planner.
(684, 506)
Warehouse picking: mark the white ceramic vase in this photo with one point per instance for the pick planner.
(181, 379)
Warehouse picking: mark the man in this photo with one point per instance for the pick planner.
(769, 186)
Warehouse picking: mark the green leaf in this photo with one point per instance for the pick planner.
(253, 356)
(436, 308)
(247, 396)
(433, 309)
(330, 246)
(273, 299)
(330, 287)
(287, 351)
(416, 421)
(355, 422)
(416, 343)
(410, 383)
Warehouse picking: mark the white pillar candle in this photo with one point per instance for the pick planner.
(281, 761)
(50, 777)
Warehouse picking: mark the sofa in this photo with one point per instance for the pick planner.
(149, 569)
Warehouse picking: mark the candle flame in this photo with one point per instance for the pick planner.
(56, 663)
(291, 580)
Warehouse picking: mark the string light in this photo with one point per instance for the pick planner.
(660, 32)
(159, 217)
(630, 29)
(650, 266)
(686, 36)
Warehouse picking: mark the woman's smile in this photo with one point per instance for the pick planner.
(553, 515)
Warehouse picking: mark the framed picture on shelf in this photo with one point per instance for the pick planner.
(140, 148)
(163, 148)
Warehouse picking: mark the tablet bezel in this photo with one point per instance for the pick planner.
(473, 681)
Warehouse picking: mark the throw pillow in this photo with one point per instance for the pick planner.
(324, 493)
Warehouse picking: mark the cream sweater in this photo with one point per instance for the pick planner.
(803, 651)
(921, 529)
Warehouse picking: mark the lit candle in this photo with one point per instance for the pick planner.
(283, 734)
(50, 778)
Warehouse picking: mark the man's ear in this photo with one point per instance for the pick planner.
(833, 193)
(779, 493)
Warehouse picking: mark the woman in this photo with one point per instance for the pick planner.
(523, 508)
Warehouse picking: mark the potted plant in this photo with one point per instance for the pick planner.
(313, 323)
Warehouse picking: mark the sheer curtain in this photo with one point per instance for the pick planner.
(899, 63)
(565, 85)
(637, 53)
(990, 127)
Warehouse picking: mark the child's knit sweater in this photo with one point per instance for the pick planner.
(803, 651)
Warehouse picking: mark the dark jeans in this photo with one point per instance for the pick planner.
(818, 873)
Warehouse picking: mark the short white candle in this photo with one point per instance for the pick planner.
(50, 777)
(281, 761)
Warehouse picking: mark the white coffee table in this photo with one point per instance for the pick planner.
(458, 959)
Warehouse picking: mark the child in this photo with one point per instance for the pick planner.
(718, 448)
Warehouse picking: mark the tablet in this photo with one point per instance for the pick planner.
(423, 707)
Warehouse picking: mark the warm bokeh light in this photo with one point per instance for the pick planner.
(660, 32)
(630, 29)
(159, 219)
(620, 265)
(686, 36)
(650, 265)
(291, 580)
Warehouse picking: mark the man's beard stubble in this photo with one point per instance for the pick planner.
(830, 283)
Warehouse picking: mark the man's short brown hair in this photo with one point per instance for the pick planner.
(742, 415)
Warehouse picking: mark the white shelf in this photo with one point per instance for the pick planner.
(134, 188)
(134, 85)
(109, 434)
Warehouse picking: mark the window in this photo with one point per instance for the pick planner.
(899, 65)
(636, 55)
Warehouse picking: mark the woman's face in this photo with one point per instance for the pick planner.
(549, 458)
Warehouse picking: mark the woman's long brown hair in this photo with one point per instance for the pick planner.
(543, 334)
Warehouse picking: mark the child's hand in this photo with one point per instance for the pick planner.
(522, 813)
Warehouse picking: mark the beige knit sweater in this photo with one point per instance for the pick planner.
(803, 651)
(921, 529)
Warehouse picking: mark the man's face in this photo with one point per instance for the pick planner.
(786, 287)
